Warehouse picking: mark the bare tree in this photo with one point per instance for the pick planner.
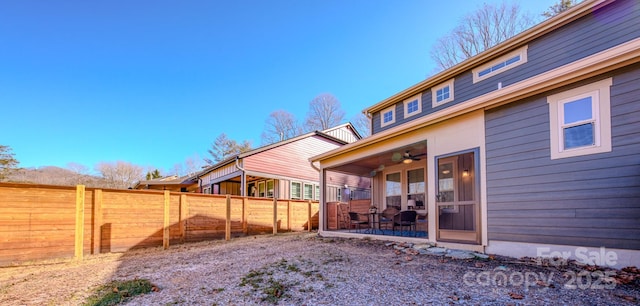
(8, 162)
(559, 7)
(362, 124)
(120, 174)
(324, 112)
(193, 164)
(223, 148)
(479, 31)
(279, 126)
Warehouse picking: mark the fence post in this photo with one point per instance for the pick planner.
(275, 216)
(245, 223)
(97, 221)
(184, 211)
(165, 226)
(79, 241)
(289, 215)
(227, 229)
(309, 225)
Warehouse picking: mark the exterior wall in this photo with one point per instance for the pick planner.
(605, 28)
(291, 159)
(591, 200)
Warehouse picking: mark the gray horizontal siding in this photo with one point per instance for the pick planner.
(591, 200)
(605, 28)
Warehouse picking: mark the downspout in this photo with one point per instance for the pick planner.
(243, 177)
(321, 201)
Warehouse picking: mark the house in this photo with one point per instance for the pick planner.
(171, 183)
(529, 148)
(282, 170)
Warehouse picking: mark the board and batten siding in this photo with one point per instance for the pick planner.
(291, 159)
(343, 133)
(591, 200)
(607, 27)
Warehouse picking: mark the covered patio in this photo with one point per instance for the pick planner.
(431, 169)
(397, 202)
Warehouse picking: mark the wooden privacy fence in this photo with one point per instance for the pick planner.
(39, 222)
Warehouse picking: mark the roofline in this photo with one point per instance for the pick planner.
(600, 63)
(275, 145)
(577, 11)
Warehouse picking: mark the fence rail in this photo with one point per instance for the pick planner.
(40, 222)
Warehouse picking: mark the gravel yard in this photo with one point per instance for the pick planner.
(304, 269)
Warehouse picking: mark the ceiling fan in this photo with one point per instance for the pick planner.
(407, 157)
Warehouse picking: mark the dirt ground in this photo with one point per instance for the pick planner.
(305, 269)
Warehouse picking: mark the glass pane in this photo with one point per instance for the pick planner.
(270, 189)
(393, 184)
(308, 191)
(393, 201)
(416, 181)
(578, 110)
(388, 116)
(443, 94)
(295, 190)
(412, 106)
(578, 136)
(514, 59)
(445, 183)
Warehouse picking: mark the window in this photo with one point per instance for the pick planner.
(393, 190)
(308, 192)
(251, 187)
(501, 64)
(413, 105)
(317, 192)
(270, 192)
(296, 190)
(261, 192)
(580, 120)
(416, 188)
(442, 93)
(387, 116)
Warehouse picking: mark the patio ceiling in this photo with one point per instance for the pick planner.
(375, 163)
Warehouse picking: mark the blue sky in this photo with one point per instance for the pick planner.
(155, 82)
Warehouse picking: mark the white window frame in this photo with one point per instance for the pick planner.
(317, 192)
(299, 196)
(262, 189)
(391, 109)
(600, 93)
(387, 191)
(434, 93)
(418, 99)
(304, 195)
(503, 59)
(270, 193)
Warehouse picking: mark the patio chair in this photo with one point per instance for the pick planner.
(358, 220)
(407, 219)
(386, 217)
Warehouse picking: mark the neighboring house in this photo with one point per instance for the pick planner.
(282, 170)
(530, 147)
(171, 183)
